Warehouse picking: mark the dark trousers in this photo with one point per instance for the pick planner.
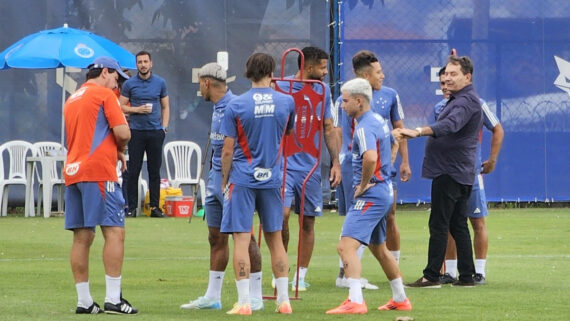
(149, 141)
(448, 208)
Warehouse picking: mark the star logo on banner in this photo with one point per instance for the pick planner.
(563, 80)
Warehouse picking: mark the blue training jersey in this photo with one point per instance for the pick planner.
(302, 161)
(372, 133)
(257, 120)
(216, 138)
(490, 120)
(385, 102)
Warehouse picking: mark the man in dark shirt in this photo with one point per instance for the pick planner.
(450, 162)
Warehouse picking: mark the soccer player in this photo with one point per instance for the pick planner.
(477, 206)
(365, 221)
(386, 103)
(254, 125)
(97, 133)
(212, 78)
(300, 164)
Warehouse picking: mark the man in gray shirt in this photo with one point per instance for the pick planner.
(450, 162)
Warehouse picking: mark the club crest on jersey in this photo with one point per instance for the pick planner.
(262, 174)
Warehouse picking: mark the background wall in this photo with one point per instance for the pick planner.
(514, 45)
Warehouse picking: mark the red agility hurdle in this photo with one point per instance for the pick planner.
(307, 136)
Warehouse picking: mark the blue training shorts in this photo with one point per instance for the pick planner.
(88, 204)
(477, 206)
(239, 204)
(366, 218)
(214, 199)
(345, 191)
(313, 193)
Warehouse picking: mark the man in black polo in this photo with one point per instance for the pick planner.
(450, 162)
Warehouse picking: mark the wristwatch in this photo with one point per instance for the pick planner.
(419, 129)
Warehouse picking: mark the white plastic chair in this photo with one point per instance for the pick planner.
(186, 157)
(17, 152)
(43, 149)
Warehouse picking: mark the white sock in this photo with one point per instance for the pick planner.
(451, 268)
(360, 251)
(113, 289)
(282, 286)
(480, 266)
(215, 282)
(84, 298)
(243, 291)
(255, 286)
(355, 290)
(302, 273)
(398, 293)
(396, 255)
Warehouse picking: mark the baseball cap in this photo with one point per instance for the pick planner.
(108, 62)
(213, 70)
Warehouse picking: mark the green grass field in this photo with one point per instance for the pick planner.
(528, 271)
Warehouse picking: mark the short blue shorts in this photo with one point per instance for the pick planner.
(214, 199)
(313, 193)
(88, 204)
(240, 203)
(366, 218)
(477, 206)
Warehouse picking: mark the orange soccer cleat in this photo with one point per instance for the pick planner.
(349, 307)
(393, 305)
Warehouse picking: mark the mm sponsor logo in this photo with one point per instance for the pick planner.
(262, 174)
(264, 110)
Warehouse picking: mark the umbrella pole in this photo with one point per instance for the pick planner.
(62, 105)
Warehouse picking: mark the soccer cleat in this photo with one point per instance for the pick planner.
(446, 279)
(202, 303)
(427, 284)
(244, 309)
(256, 304)
(367, 285)
(284, 308)
(393, 305)
(341, 283)
(93, 309)
(349, 307)
(479, 279)
(302, 285)
(123, 307)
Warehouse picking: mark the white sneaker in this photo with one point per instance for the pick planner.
(366, 285)
(202, 303)
(256, 304)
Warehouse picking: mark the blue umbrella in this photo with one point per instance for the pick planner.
(62, 47)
